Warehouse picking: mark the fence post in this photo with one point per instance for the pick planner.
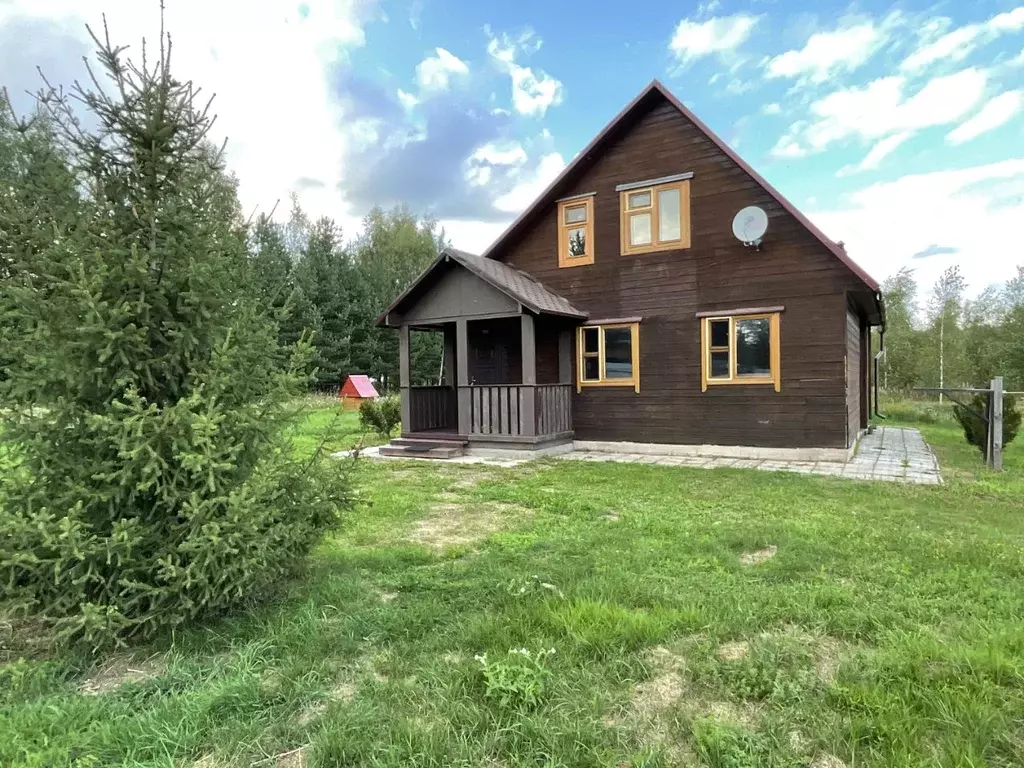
(996, 424)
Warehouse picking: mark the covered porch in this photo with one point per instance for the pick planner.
(506, 380)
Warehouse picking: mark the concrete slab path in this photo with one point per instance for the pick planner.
(892, 454)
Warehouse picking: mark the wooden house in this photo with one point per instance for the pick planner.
(355, 391)
(619, 311)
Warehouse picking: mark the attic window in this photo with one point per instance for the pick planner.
(576, 231)
(656, 217)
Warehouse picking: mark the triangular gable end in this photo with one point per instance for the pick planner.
(612, 130)
(460, 284)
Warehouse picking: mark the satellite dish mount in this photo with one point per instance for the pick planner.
(749, 226)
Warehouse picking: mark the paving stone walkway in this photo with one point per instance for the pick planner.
(893, 454)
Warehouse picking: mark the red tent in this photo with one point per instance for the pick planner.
(356, 389)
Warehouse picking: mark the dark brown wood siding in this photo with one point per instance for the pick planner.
(792, 269)
(854, 360)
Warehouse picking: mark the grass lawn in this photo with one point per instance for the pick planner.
(723, 618)
(322, 418)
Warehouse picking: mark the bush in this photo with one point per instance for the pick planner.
(381, 415)
(975, 429)
(146, 392)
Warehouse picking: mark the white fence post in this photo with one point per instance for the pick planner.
(996, 424)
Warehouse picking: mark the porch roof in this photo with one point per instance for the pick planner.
(517, 285)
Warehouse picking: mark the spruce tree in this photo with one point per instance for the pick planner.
(146, 403)
(325, 280)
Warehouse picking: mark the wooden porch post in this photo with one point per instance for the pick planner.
(565, 356)
(404, 378)
(448, 379)
(527, 405)
(462, 376)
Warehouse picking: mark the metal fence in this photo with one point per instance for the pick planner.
(991, 416)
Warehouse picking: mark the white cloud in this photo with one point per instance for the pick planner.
(511, 153)
(533, 93)
(719, 36)
(771, 109)
(476, 236)
(969, 211)
(882, 149)
(407, 100)
(882, 107)
(226, 53)
(472, 236)
(529, 188)
(435, 73)
(956, 45)
(789, 147)
(827, 53)
(480, 165)
(997, 111)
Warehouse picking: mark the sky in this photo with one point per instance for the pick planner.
(897, 128)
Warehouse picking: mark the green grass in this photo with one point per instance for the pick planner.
(322, 419)
(886, 630)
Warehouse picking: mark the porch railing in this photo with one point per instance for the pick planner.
(496, 410)
(504, 410)
(554, 408)
(433, 408)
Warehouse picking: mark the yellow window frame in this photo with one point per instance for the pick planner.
(564, 227)
(626, 215)
(775, 355)
(603, 380)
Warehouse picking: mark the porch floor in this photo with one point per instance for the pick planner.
(889, 454)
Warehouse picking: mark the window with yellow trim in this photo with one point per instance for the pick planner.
(608, 356)
(576, 232)
(655, 218)
(741, 349)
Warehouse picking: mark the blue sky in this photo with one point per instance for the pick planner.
(899, 128)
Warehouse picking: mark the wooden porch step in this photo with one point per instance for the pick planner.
(425, 449)
(420, 441)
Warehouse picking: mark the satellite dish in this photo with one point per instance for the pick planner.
(750, 225)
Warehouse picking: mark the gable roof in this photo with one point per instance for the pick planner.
(515, 284)
(611, 130)
(359, 385)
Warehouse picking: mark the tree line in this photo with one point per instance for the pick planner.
(942, 338)
(305, 274)
(319, 284)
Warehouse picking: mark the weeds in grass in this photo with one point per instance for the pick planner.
(517, 680)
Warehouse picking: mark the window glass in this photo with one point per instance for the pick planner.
(618, 353)
(591, 369)
(590, 339)
(719, 333)
(577, 242)
(720, 365)
(753, 347)
(576, 215)
(640, 229)
(668, 215)
(640, 199)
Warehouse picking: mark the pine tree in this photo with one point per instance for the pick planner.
(324, 276)
(274, 277)
(146, 398)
